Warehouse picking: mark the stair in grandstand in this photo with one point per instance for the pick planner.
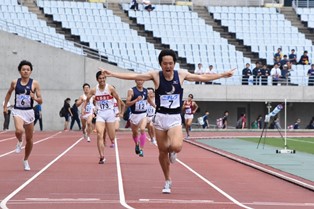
(203, 13)
(117, 10)
(92, 53)
(291, 15)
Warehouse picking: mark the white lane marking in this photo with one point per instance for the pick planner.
(120, 182)
(7, 139)
(3, 203)
(61, 199)
(214, 186)
(284, 204)
(2, 132)
(300, 140)
(39, 141)
(176, 201)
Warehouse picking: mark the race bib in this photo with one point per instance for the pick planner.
(188, 111)
(150, 110)
(170, 101)
(103, 105)
(141, 106)
(88, 108)
(23, 100)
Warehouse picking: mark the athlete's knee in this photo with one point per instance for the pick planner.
(19, 131)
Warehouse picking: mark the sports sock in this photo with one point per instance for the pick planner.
(135, 139)
(142, 139)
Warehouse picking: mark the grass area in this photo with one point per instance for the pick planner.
(298, 144)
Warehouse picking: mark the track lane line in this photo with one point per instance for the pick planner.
(120, 182)
(212, 185)
(7, 139)
(3, 203)
(39, 141)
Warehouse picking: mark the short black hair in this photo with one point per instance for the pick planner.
(150, 88)
(167, 52)
(25, 62)
(86, 84)
(98, 74)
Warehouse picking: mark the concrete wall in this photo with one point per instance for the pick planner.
(61, 75)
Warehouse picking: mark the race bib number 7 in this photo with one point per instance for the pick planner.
(170, 101)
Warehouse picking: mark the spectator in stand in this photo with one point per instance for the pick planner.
(210, 71)
(278, 55)
(285, 75)
(199, 71)
(310, 74)
(257, 73)
(283, 61)
(148, 5)
(278, 62)
(293, 57)
(246, 73)
(134, 5)
(304, 59)
(275, 74)
(289, 65)
(265, 72)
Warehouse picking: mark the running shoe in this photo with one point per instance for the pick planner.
(18, 148)
(154, 142)
(88, 139)
(141, 154)
(137, 149)
(112, 145)
(102, 160)
(172, 157)
(85, 136)
(26, 165)
(167, 187)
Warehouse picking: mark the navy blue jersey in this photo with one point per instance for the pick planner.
(23, 100)
(139, 106)
(169, 95)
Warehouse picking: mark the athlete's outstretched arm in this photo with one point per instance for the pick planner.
(208, 77)
(128, 76)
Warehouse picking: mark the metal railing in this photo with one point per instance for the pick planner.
(303, 3)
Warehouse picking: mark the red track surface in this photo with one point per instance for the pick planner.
(65, 174)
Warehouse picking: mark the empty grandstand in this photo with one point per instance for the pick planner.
(131, 40)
